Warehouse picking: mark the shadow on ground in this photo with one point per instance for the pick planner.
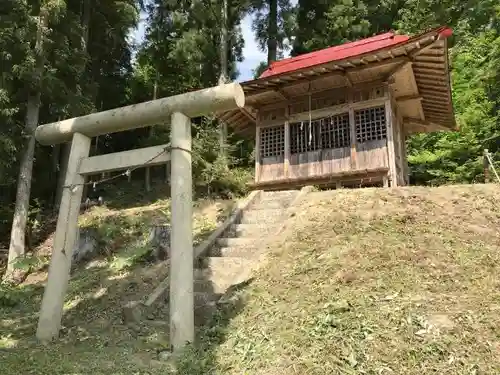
(94, 338)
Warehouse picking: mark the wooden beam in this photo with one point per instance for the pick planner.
(436, 77)
(429, 71)
(145, 157)
(432, 82)
(247, 114)
(427, 47)
(348, 80)
(282, 94)
(428, 65)
(415, 121)
(192, 104)
(293, 99)
(398, 67)
(340, 73)
(407, 98)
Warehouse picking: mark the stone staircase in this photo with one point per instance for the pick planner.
(234, 257)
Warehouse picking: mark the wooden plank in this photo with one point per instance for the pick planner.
(440, 72)
(372, 155)
(436, 96)
(390, 144)
(436, 110)
(432, 82)
(433, 89)
(286, 164)
(257, 152)
(428, 65)
(125, 160)
(439, 107)
(427, 58)
(325, 179)
(432, 76)
(352, 133)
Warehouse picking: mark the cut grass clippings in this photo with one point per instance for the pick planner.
(372, 281)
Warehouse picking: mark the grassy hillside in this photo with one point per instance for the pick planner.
(93, 339)
(369, 281)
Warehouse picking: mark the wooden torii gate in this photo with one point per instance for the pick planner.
(179, 109)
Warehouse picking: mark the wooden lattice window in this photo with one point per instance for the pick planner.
(370, 124)
(272, 141)
(335, 132)
(304, 137)
(325, 133)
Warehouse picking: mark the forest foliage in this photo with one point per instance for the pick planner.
(91, 63)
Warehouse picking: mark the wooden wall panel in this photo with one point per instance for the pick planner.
(272, 168)
(372, 154)
(336, 160)
(306, 164)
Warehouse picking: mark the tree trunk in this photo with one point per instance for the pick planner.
(17, 247)
(272, 44)
(63, 164)
(223, 78)
(65, 148)
(151, 132)
(56, 154)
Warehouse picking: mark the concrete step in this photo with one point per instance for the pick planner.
(272, 204)
(223, 272)
(251, 230)
(276, 199)
(238, 242)
(278, 194)
(264, 216)
(251, 253)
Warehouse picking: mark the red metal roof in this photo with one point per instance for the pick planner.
(340, 52)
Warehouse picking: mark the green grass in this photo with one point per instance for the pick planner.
(94, 339)
(368, 281)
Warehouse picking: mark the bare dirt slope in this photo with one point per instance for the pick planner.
(368, 281)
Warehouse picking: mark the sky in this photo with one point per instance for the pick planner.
(251, 52)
